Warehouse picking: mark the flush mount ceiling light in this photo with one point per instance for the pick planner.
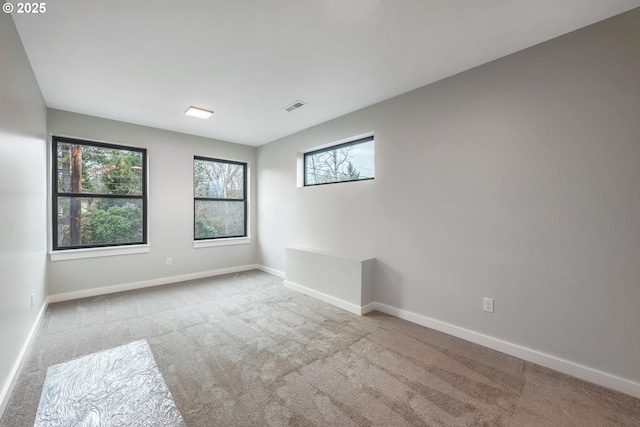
(200, 113)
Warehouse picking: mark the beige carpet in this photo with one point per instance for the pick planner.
(241, 350)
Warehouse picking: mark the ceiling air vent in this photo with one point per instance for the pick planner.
(294, 106)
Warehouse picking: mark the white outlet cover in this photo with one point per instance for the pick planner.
(487, 304)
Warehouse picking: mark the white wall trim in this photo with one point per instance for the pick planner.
(368, 308)
(98, 252)
(576, 370)
(552, 362)
(197, 244)
(573, 369)
(146, 284)
(352, 308)
(5, 393)
(271, 271)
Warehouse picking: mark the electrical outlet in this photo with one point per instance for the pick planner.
(32, 295)
(169, 261)
(487, 304)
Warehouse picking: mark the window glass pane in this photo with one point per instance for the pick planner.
(84, 221)
(218, 180)
(215, 218)
(99, 170)
(347, 162)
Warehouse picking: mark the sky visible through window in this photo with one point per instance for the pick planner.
(351, 161)
(363, 158)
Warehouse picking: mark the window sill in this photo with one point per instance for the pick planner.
(97, 252)
(221, 242)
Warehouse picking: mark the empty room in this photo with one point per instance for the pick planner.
(320, 213)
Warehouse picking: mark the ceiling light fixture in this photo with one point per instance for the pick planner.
(200, 113)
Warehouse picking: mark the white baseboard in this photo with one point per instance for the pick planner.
(552, 362)
(368, 308)
(582, 372)
(270, 270)
(147, 283)
(5, 393)
(356, 309)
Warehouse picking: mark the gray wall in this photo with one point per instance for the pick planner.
(24, 199)
(170, 207)
(518, 180)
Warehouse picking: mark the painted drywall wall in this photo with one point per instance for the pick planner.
(517, 180)
(23, 199)
(170, 210)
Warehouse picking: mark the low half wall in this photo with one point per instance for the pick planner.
(342, 281)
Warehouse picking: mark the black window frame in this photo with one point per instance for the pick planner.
(57, 194)
(219, 199)
(332, 148)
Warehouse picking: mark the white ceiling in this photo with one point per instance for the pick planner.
(146, 62)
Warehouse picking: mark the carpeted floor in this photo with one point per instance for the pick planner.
(242, 350)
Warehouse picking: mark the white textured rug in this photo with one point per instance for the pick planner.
(117, 387)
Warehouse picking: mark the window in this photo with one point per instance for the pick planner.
(349, 161)
(99, 194)
(220, 198)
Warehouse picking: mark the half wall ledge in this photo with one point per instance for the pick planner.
(346, 282)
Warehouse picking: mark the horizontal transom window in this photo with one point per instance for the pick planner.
(349, 161)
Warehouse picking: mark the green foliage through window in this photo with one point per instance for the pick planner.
(99, 194)
(220, 203)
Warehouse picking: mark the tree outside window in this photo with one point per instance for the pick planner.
(351, 161)
(99, 194)
(220, 200)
